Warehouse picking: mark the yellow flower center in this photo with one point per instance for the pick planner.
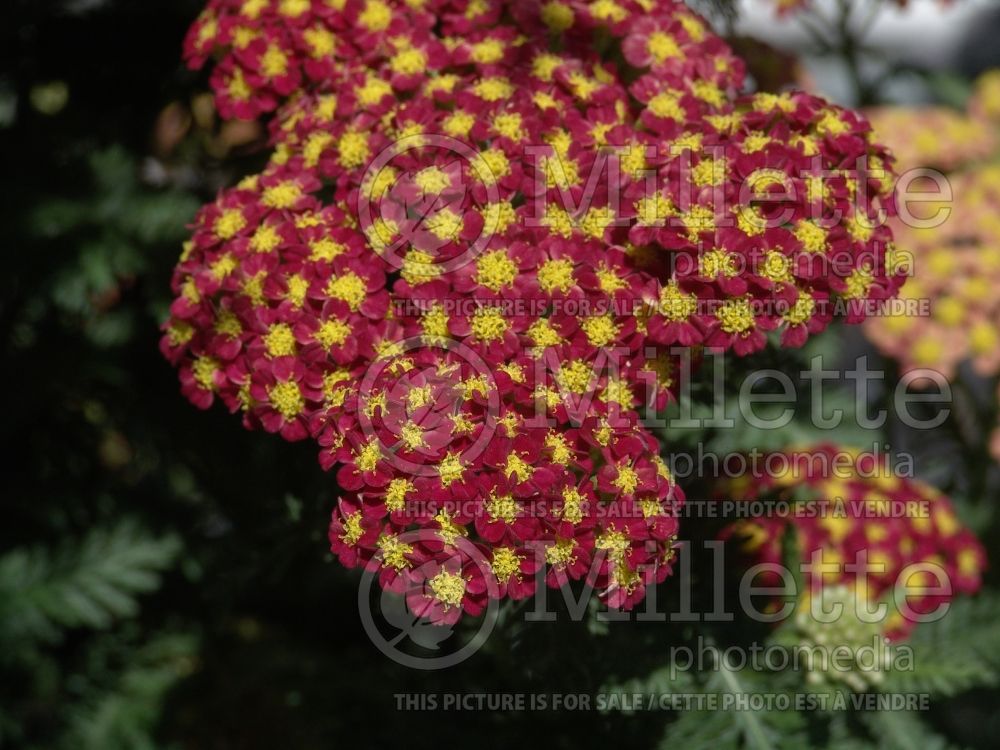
(286, 398)
(448, 588)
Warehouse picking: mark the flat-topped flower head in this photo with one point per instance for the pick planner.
(477, 236)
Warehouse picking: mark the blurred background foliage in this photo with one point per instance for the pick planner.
(164, 580)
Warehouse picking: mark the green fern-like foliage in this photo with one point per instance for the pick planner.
(902, 730)
(959, 652)
(742, 727)
(87, 583)
(104, 687)
(122, 709)
(745, 727)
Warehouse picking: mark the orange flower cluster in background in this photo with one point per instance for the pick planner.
(956, 264)
(934, 136)
(957, 267)
(940, 137)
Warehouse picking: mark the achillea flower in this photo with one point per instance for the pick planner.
(936, 137)
(435, 279)
(950, 315)
(859, 512)
(853, 633)
(985, 101)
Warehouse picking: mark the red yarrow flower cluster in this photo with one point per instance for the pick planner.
(468, 262)
(850, 509)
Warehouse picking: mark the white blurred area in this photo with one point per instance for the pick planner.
(929, 34)
(923, 31)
